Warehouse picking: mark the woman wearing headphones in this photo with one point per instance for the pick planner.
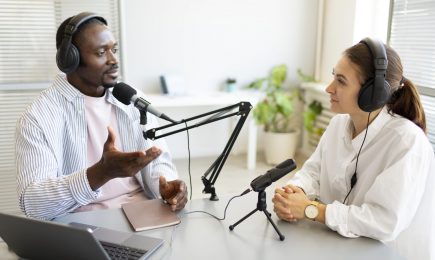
(372, 173)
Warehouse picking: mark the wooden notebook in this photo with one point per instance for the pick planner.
(149, 214)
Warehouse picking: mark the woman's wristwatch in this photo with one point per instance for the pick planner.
(312, 211)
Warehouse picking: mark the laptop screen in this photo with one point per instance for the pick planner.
(35, 239)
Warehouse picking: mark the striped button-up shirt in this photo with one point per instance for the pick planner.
(51, 152)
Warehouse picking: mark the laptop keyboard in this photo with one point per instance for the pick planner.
(120, 252)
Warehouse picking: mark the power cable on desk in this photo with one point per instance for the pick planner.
(168, 253)
(201, 211)
(190, 182)
(226, 207)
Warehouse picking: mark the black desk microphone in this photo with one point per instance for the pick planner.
(263, 181)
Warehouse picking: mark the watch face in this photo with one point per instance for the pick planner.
(311, 211)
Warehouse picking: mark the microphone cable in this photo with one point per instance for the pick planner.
(226, 207)
(190, 182)
(188, 160)
(354, 178)
(205, 212)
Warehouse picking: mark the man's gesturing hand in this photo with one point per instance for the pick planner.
(114, 163)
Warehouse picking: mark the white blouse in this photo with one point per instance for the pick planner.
(394, 197)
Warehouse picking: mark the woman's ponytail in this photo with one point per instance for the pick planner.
(405, 101)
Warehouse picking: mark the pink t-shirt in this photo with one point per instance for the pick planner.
(99, 115)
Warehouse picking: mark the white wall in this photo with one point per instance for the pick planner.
(207, 41)
(345, 23)
(338, 28)
(371, 19)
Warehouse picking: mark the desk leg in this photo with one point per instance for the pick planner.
(252, 143)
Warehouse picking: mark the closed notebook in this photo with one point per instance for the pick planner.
(149, 214)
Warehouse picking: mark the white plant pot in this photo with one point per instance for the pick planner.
(279, 147)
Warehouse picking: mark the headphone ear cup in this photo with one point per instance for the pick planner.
(365, 96)
(67, 58)
(371, 97)
(383, 94)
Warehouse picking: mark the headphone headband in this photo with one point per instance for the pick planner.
(375, 92)
(78, 20)
(378, 52)
(68, 56)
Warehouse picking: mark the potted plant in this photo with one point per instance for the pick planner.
(313, 110)
(313, 120)
(275, 113)
(230, 84)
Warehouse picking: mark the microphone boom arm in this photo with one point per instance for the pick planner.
(243, 110)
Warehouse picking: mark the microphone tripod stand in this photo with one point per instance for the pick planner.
(261, 206)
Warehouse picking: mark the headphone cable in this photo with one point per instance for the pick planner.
(354, 178)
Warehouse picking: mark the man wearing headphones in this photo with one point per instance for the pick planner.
(78, 148)
(372, 173)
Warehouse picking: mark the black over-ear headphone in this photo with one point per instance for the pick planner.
(68, 56)
(376, 90)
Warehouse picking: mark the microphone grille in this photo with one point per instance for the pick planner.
(123, 92)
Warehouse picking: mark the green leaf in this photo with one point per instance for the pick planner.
(278, 75)
(262, 113)
(275, 110)
(320, 131)
(305, 77)
(316, 107)
(284, 103)
(309, 118)
(257, 84)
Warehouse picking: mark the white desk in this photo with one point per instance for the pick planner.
(219, 99)
(200, 236)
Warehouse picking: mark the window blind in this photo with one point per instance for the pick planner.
(412, 35)
(27, 65)
(28, 33)
(27, 30)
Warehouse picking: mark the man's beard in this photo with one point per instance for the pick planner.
(109, 85)
(116, 80)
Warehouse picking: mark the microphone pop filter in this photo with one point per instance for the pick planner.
(123, 92)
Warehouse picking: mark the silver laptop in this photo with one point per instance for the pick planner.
(35, 239)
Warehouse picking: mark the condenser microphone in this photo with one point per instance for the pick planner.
(128, 95)
(263, 181)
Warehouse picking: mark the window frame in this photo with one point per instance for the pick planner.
(426, 93)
